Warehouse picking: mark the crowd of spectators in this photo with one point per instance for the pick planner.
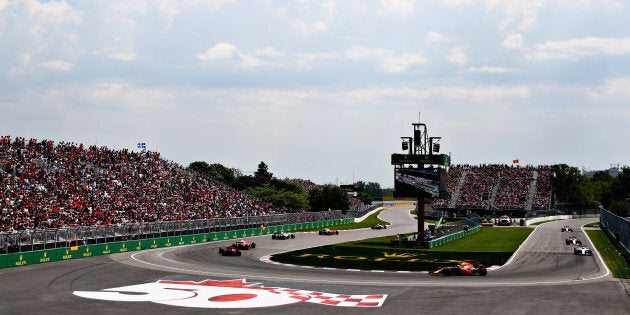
(498, 186)
(43, 184)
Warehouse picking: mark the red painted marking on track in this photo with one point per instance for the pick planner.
(232, 297)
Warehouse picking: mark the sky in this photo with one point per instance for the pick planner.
(322, 90)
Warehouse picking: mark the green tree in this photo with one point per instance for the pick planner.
(262, 175)
(328, 197)
(365, 197)
(371, 188)
(565, 182)
(215, 171)
(279, 197)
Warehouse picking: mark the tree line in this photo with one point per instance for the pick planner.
(574, 191)
(284, 193)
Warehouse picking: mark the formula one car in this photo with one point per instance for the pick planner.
(572, 240)
(243, 244)
(566, 228)
(328, 231)
(379, 227)
(282, 236)
(582, 251)
(463, 269)
(229, 251)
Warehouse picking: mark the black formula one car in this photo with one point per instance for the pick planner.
(572, 240)
(582, 251)
(328, 231)
(463, 269)
(566, 228)
(379, 227)
(243, 244)
(282, 236)
(229, 251)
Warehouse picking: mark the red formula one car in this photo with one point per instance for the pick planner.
(243, 244)
(328, 231)
(463, 269)
(229, 251)
(572, 240)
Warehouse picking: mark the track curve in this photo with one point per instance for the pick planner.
(543, 276)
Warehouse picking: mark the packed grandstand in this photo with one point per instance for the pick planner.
(48, 185)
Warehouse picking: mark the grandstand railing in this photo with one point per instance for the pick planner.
(39, 239)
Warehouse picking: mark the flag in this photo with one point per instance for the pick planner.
(142, 145)
(515, 161)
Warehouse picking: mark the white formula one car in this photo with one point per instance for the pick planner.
(582, 251)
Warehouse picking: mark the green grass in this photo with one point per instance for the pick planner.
(488, 246)
(611, 256)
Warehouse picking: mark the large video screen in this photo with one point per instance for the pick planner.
(411, 182)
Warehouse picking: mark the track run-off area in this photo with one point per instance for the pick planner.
(542, 277)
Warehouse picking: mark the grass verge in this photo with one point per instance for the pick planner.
(611, 256)
(488, 246)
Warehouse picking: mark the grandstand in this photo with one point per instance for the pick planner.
(498, 187)
(48, 185)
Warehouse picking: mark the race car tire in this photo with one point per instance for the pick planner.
(336, 232)
(238, 253)
(483, 272)
(253, 245)
(320, 232)
(447, 272)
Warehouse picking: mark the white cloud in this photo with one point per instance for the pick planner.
(617, 86)
(388, 61)
(457, 56)
(435, 37)
(58, 65)
(268, 52)
(219, 51)
(582, 47)
(318, 26)
(486, 69)
(480, 94)
(398, 7)
(54, 12)
(305, 60)
(514, 41)
(227, 51)
(24, 61)
(124, 56)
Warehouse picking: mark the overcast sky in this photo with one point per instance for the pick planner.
(322, 90)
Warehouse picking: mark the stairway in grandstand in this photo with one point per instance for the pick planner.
(453, 202)
(532, 191)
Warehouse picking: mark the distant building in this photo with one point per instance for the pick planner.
(614, 170)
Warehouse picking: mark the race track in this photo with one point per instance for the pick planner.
(543, 277)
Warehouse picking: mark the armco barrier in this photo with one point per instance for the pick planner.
(83, 251)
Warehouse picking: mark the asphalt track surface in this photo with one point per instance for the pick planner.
(542, 277)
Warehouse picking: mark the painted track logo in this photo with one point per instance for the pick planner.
(236, 293)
